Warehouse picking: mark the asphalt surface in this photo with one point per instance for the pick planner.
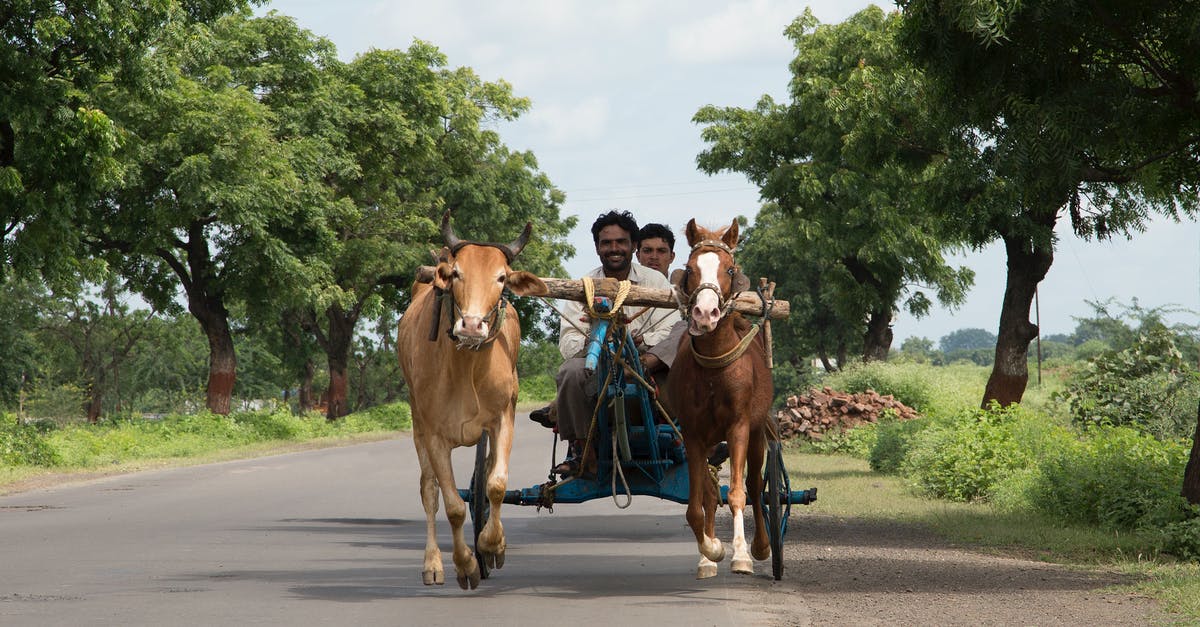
(336, 536)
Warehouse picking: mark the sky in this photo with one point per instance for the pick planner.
(614, 86)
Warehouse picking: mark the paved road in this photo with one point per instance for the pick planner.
(335, 536)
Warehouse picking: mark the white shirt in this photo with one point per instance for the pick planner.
(654, 326)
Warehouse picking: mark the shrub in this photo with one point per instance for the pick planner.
(24, 445)
(856, 442)
(893, 438)
(907, 382)
(1116, 477)
(1182, 537)
(539, 387)
(963, 458)
(1147, 386)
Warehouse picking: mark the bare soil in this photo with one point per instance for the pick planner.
(859, 572)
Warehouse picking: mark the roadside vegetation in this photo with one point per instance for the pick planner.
(1088, 469)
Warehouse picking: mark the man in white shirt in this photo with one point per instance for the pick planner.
(613, 234)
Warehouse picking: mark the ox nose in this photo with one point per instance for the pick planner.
(471, 326)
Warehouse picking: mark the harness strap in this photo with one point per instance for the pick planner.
(720, 361)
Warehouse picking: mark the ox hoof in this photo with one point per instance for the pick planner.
(469, 581)
(431, 577)
(705, 571)
(743, 566)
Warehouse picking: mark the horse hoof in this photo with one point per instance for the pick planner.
(760, 554)
(499, 557)
(743, 566)
(714, 551)
(706, 571)
(431, 577)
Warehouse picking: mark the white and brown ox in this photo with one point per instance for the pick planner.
(458, 348)
(721, 390)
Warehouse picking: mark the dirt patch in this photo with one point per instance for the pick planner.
(859, 572)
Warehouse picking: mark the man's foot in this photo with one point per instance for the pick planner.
(543, 416)
(719, 454)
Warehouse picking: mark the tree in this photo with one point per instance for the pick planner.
(967, 340)
(417, 134)
(816, 326)
(207, 181)
(95, 334)
(21, 303)
(842, 157)
(1080, 110)
(57, 144)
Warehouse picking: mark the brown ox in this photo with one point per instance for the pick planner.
(720, 394)
(462, 382)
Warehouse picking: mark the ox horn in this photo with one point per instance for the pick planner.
(448, 235)
(515, 247)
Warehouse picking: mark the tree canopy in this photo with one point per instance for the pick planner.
(841, 159)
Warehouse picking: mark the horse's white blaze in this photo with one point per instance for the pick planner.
(707, 310)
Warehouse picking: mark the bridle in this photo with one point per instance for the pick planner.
(723, 303)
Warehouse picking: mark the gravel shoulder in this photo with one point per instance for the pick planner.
(862, 572)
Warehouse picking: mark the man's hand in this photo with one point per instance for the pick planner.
(650, 362)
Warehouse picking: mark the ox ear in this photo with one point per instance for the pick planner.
(442, 275)
(693, 235)
(730, 237)
(741, 282)
(677, 275)
(526, 284)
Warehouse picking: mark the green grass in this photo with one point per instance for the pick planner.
(39, 453)
(849, 488)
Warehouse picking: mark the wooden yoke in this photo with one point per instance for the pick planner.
(747, 303)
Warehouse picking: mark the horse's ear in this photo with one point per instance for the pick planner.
(693, 235)
(730, 237)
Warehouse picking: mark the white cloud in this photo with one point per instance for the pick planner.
(740, 30)
(582, 121)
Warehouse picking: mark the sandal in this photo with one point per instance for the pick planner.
(568, 468)
(542, 417)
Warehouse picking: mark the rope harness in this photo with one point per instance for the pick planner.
(497, 314)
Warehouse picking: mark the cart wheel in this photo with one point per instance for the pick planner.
(777, 504)
(480, 506)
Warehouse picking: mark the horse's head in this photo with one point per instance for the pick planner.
(476, 274)
(710, 278)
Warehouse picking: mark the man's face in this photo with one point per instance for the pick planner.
(615, 248)
(654, 252)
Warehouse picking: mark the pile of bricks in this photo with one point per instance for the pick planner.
(817, 412)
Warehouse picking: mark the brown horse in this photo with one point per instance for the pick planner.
(721, 390)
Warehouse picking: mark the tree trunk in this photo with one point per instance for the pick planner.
(95, 402)
(222, 366)
(1191, 473)
(305, 395)
(1027, 266)
(878, 338)
(337, 350)
(207, 304)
